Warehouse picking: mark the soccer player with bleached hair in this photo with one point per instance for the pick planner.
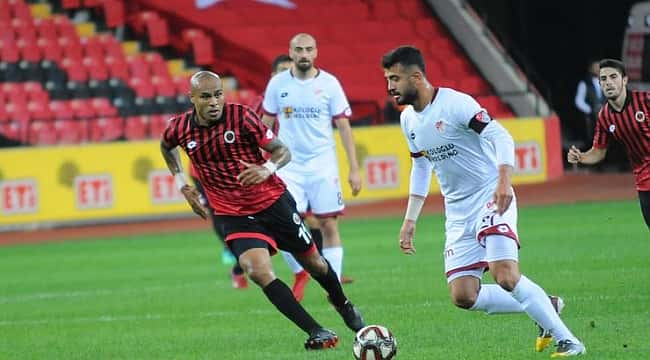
(473, 157)
(258, 214)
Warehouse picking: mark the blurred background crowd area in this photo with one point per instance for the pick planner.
(89, 71)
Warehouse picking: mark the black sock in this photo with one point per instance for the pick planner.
(317, 237)
(237, 270)
(330, 282)
(282, 297)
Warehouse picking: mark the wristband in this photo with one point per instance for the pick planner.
(413, 208)
(270, 166)
(179, 179)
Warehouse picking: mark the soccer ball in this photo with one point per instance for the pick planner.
(374, 342)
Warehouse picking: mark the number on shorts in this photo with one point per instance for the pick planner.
(303, 233)
(339, 197)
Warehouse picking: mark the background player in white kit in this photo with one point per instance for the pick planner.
(305, 100)
(473, 157)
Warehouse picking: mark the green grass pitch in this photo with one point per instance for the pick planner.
(169, 297)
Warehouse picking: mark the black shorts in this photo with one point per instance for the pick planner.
(277, 227)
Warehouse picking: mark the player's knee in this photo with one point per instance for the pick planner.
(506, 274)
(463, 300)
(262, 276)
(507, 281)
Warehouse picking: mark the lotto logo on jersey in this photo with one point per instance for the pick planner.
(382, 172)
(94, 191)
(163, 188)
(528, 158)
(19, 196)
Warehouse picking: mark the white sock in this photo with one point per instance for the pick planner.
(291, 261)
(335, 257)
(537, 305)
(492, 299)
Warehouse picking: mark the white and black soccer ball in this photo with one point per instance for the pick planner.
(374, 342)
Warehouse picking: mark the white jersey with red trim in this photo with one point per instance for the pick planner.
(305, 110)
(464, 162)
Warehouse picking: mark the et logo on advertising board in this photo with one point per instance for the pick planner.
(94, 191)
(382, 172)
(163, 188)
(528, 158)
(19, 196)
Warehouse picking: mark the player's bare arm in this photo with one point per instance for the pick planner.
(268, 120)
(173, 160)
(255, 174)
(343, 124)
(503, 192)
(407, 232)
(592, 156)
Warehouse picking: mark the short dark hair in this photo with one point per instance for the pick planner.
(279, 60)
(613, 63)
(405, 55)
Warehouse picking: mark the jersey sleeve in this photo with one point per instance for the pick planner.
(257, 129)
(270, 103)
(339, 105)
(170, 134)
(601, 135)
(466, 110)
(409, 141)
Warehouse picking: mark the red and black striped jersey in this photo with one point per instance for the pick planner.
(631, 127)
(216, 151)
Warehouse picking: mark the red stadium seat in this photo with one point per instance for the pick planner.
(92, 47)
(163, 86)
(106, 129)
(71, 4)
(20, 10)
(35, 92)
(39, 111)
(413, 9)
(9, 52)
(138, 67)
(201, 46)
(103, 107)
(10, 130)
(136, 127)
(182, 84)
(114, 13)
(158, 124)
(46, 28)
(82, 109)
(14, 93)
(24, 29)
(50, 49)
(384, 10)
(61, 110)
(96, 68)
(29, 51)
(42, 133)
(75, 70)
(474, 85)
(71, 47)
(71, 131)
(427, 28)
(142, 88)
(65, 27)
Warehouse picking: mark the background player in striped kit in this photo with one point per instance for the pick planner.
(624, 118)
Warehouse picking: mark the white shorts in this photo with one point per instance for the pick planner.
(319, 190)
(465, 244)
